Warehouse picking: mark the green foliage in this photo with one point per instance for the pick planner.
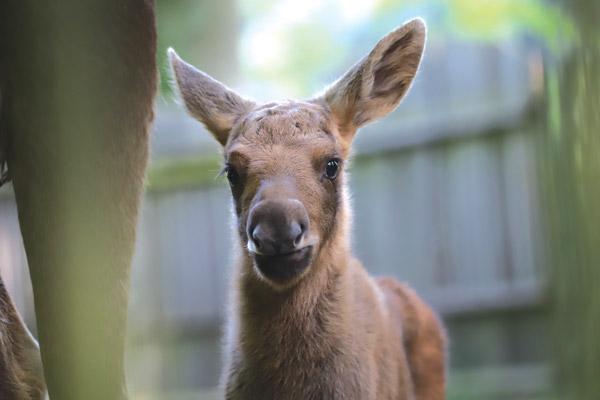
(499, 19)
(309, 50)
(314, 49)
(570, 196)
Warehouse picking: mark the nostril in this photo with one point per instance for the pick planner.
(298, 240)
(300, 235)
(255, 237)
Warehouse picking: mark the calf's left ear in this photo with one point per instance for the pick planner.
(375, 85)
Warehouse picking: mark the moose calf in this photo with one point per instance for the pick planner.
(308, 322)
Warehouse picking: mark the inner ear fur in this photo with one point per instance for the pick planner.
(374, 86)
(208, 100)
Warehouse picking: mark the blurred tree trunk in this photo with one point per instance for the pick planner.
(571, 178)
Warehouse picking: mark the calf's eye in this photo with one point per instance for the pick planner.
(232, 175)
(332, 168)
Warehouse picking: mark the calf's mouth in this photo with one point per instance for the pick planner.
(282, 268)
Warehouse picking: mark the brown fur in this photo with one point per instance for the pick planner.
(332, 331)
(21, 374)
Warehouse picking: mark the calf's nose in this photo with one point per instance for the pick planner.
(277, 227)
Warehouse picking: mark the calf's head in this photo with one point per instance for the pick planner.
(284, 161)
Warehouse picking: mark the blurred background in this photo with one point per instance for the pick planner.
(481, 190)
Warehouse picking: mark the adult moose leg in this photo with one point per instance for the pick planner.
(78, 81)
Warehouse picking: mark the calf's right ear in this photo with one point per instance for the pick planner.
(207, 99)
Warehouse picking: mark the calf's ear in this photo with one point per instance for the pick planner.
(375, 85)
(207, 99)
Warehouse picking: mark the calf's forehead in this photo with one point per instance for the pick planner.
(283, 157)
(279, 123)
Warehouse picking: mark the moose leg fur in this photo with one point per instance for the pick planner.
(78, 82)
